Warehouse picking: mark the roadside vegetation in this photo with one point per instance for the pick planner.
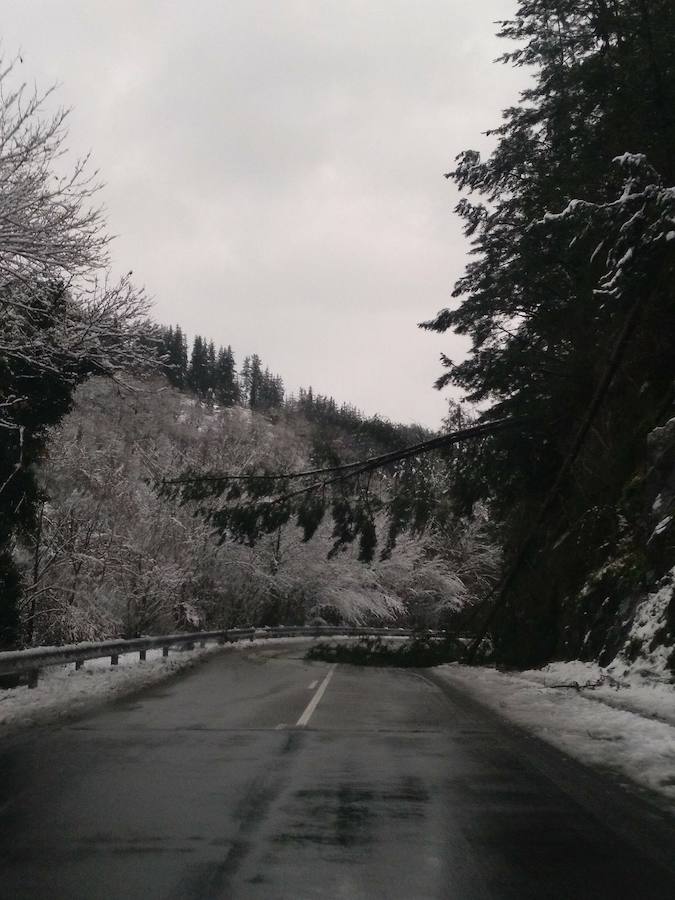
(420, 651)
(111, 557)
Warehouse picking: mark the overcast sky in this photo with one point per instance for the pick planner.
(274, 168)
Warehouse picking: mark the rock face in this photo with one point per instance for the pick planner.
(661, 493)
(604, 588)
(636, 584)
(659, 606)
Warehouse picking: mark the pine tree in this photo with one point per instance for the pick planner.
(36, 392)
(46, 398)
(211, 375)
(278, 391)
(245, 381)
(527, 301)
(255, 382)
(271, 391)
(175, 351)
(198, 371)
(227, 388)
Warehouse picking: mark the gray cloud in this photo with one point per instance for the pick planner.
(273, 169)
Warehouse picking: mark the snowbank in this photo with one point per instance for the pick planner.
(615, 686)
(623, 726)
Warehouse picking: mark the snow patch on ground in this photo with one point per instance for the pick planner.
(624, 726)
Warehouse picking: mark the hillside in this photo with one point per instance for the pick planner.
(110, 557)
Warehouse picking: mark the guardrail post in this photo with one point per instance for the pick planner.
(114, 659)
(33, 676)
(221, 639)
(141, 655)
(202, 644)
(165, 651)
(78, 664)
(190, 646)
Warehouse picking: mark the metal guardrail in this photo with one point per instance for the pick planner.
(33, 660)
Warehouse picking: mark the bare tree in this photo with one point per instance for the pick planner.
(63, 315)
(62, 311)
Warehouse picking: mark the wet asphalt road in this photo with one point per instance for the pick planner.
(396, 788)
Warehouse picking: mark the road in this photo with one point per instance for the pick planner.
(260, 775)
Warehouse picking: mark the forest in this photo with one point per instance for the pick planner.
(151, 482)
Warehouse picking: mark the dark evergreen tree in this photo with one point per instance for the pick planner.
(175, 352)
(270, 394)
(211, 375)
(46, 397)
(226, 384)
(255, 381)
(528, 302)
(278, 392)
(245, 381)
(36, 391)
(198, 371)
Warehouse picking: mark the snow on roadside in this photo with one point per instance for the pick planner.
(624, 738)
(615, 685)
(63, 692)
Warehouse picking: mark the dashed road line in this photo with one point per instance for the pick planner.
(316, 699)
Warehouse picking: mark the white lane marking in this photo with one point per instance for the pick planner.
(279, 727)
(313, 685)
(316, 699)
